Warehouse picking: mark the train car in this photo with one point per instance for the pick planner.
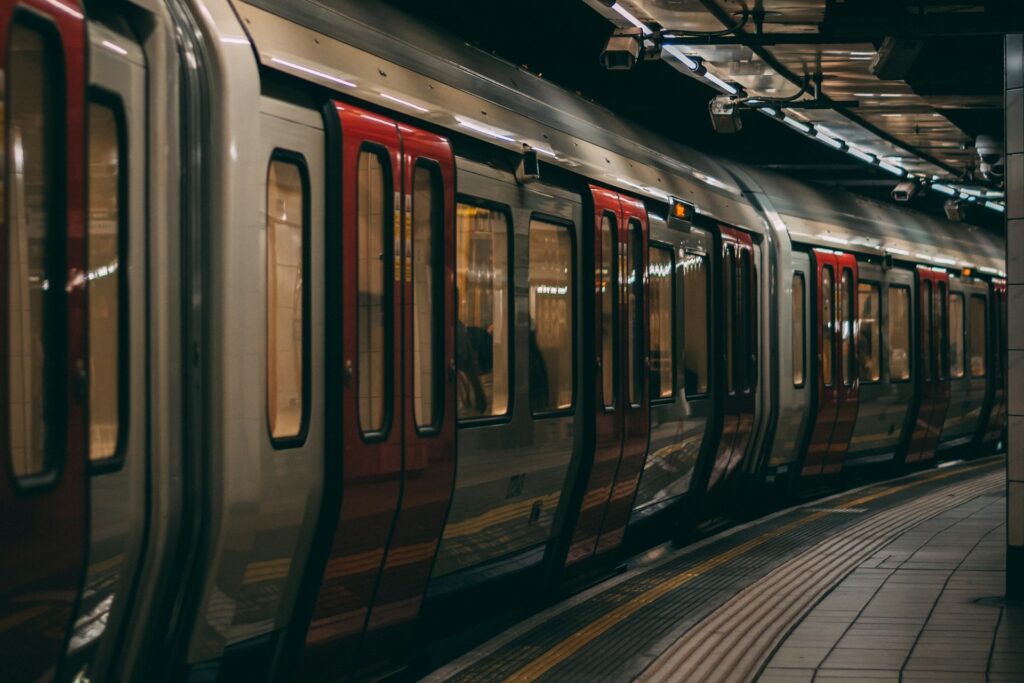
(356, 319)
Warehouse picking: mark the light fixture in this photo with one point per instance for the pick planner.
(830, 141)
(944, 189)
(863, 156)
(799, 125)
(628, 16)
(895, 170)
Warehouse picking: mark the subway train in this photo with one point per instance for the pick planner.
(316, 319)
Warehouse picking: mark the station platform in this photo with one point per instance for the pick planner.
(898, 580)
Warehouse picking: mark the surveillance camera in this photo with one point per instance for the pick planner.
(904, 191)
(725, 115)
(993, 171)
(622, 50)
(989, 149)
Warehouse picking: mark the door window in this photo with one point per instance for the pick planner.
(662, 279)
(898, 333)
(869, 352)
(35, 251)
(695, 321)
(798, 329)
(728, 310)
(978, 339)
(373, 324)
(927, 352)
(635, 311)
(845, 315)
(609, 301)
(827, 324)
(427, 285)
(956, 335)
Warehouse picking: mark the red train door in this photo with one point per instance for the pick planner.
(622, 415)
(739, 338)
(847, 388)
(43, 498)
(825, 339)
(932, 363)
(398, 419)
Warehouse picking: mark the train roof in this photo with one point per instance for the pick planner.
(837, 219)
(380, 55)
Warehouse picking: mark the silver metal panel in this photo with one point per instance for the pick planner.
(427, 76)
(511, 473)
(677, 427)
(117, 499)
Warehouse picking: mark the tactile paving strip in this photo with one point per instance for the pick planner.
(615, 634)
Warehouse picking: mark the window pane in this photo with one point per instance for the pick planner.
(482, 333)
(798, 329)
(899, 333)
(845, 316)
(748, 318)
(551, 317)
(828, 329)
(978, 339)
(869, 337)
(372, 300)
(926, 329)
(956, 335)
(609, 300)
(941, 331)
(661, 272)
(728, 294)
(427, 206)
(104, 281)
(635, 310)
(695, 321)
(34, 251)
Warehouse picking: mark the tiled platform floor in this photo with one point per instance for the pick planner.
(924, 608)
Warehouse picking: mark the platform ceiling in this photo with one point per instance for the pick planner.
(954, 83)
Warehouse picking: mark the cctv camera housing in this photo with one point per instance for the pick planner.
(903, 192)
(622, 50)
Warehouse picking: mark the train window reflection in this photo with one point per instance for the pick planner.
(898, 333)
(695, 323)
(634, 285)
(869, 352)
(662, 276)
(845, 316)
(427, 208)
(372, 325)
(978, 340)
(728, 294)
(35, 325)
(607, 278)
(828, 325)
(798, 329)
(941, 305)
(552, 323)
(105, 276)
(482, 333)
(748, 319)
(956, 334)
(928, 353)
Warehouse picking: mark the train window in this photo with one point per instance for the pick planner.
(695, 319)
(977, 330)
(748, 319)
(482, 337)
(928, 353)
(35, 255)
(728, 294)
(898, 333)
(609, 301)
(552, 320)
(661, 274)
(427, 285)
(941, 304)
(798, 329)
(105, 280)
(956, 334)
(828, 328)
(372, 325)
(635, 342)
(845, 316)
(869, 352)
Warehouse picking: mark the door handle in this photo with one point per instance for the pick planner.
(347, 373)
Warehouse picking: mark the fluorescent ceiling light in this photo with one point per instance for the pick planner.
(727, 87)
(832, 142)
(995, 206)
(800, 126)
(863, 156)
(689, 62)
(628, 16)
(895, 170)
(944, 189)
